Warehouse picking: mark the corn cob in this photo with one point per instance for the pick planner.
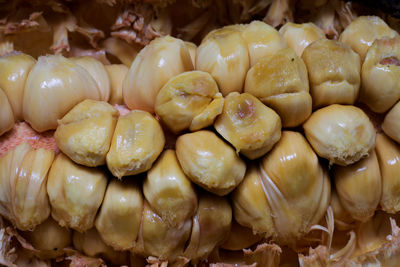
(170, 218)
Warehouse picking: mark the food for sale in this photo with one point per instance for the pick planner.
(342, 134)
(334, 72)
(190, 100)
(250, 126)
(209, 162)
(380, 73)
(84, 133)
(281, 82)
(137, 142)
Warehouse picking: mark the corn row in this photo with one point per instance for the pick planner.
(247, 82)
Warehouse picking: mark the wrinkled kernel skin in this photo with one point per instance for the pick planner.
(137, 142)
(155, 64)
(185, 97)
(250, 204)
(120, 215)
(281, 83)
(159, 238)
(334, 72)
(294, 168)
(75, 193)
(211, 226)
(210, 162)
(286, 194)
(23, 177)
(169, 191)
(250, 126)
(380, 75)
(84, 133)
